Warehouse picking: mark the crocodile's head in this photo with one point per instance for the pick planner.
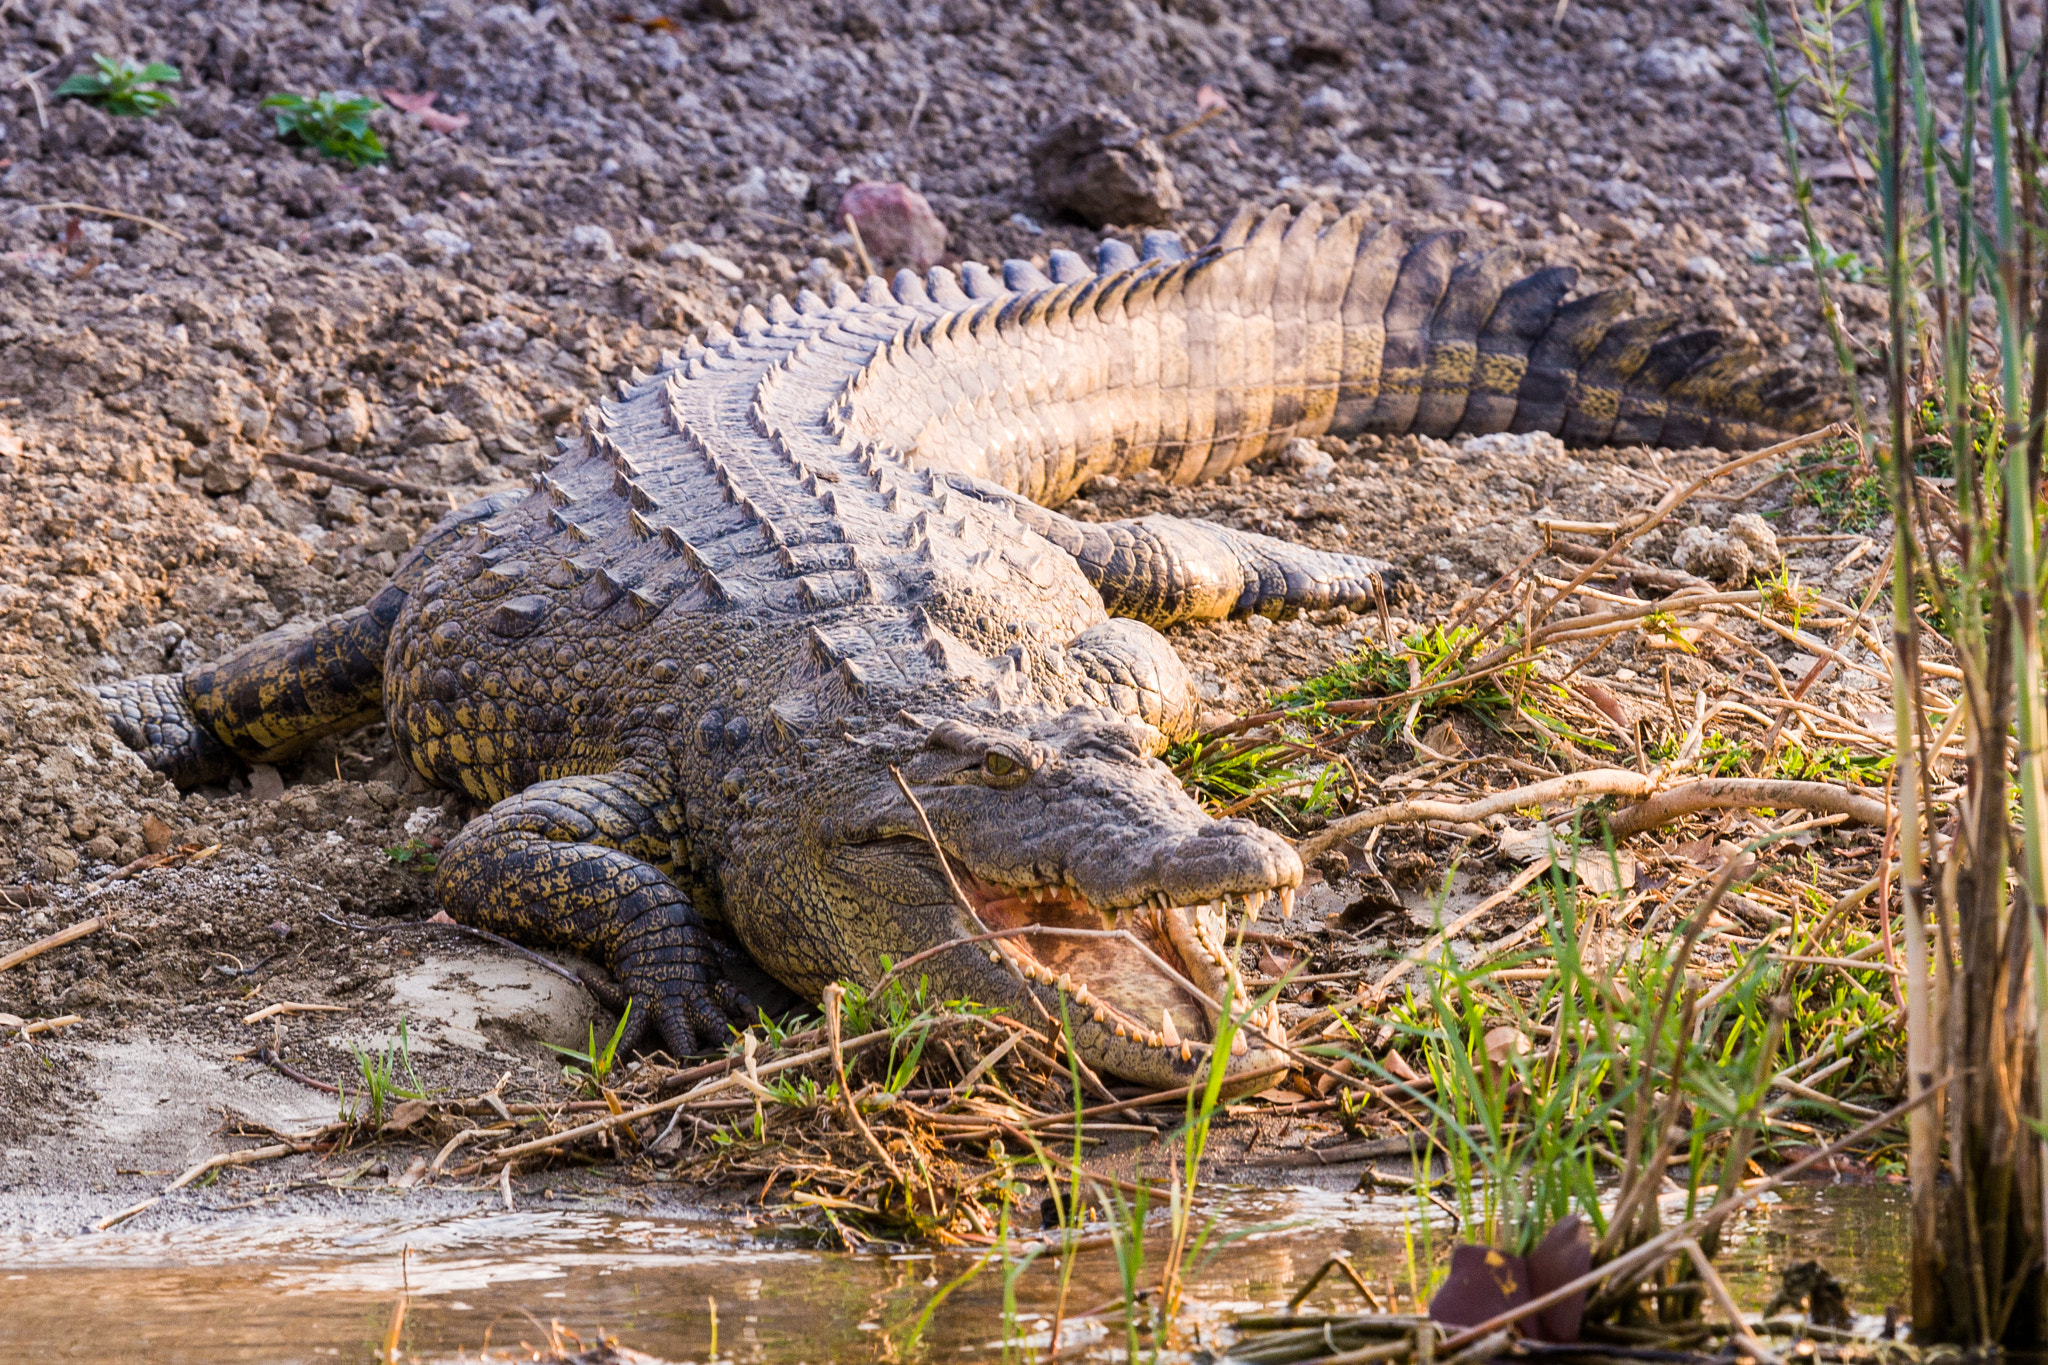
(1123, 893)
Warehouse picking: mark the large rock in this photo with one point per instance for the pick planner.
(1103, 169)
(896, 224)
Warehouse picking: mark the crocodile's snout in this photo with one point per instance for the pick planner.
(1109, 891)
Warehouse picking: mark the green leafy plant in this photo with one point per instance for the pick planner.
(338, 124)
(415, 854)
(122, 88)
(592, 1067)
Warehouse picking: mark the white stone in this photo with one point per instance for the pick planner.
(1306, 461)
(592, 240)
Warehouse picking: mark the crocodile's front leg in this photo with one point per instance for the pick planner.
(1160, 570)
(578, 863)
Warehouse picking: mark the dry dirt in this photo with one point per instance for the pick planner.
(630, 171)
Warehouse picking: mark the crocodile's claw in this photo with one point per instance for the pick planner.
(152, 716)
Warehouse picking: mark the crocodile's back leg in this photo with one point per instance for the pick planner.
(1161, 570)
(578, 863)
(281, 691)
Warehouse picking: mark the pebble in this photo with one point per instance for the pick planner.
(1102, 168)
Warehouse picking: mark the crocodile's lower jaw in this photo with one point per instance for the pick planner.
(1130, 972)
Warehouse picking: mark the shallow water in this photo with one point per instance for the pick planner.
(321, 1288)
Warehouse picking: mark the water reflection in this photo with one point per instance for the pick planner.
(319, 1288)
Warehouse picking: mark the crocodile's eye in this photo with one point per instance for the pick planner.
(1000, 765)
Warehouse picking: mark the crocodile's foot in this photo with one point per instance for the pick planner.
(151, 716)
(723, 1004)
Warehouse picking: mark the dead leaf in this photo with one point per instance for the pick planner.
(1505, 1040)
(156, 835)
(405, 1116)
(1328, 1080)
(1443, 738)
(1209, 97)
(421, 106)
(1607, 702)
(1273, 965)
(1397, 1066)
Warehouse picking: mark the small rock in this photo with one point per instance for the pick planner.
(733, 58)
(1622, 194)
(265, 782)
(1098, 484)
(1540, 446)
(1745, 549)
(1752, 530)
(592, 240)
(1706, 269)
(443, 245)
(280, 928)
(718, 265)
(1864, 301)
(102, 848)
(1677, 62)
(1514, 113)
(1307, 461)
(1102, 168)
(1326, 105)
(897, 225)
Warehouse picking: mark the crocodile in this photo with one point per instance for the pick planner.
(794, 639)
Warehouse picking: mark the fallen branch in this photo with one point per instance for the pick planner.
(661, 1107)
(1555, 791)
(1745, 793)
(355, 478)
(291, 1073)
(56, 940)
(291, 1007)
(247, 1157)
(124, 1215)
(71, 206)
(1135, 1102)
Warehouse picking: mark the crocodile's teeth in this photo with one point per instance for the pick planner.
(1100, 1014)
(1186, 1053)
(1238, 1046)
(1253, 904)
(1066, 982)
(1166, 1029)
(1122, 1032)
(994, 956)
(1287, 903)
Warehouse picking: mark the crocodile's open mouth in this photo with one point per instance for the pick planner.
(1155, 974)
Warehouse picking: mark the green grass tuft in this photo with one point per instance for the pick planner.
(338, 124)
(122, 88)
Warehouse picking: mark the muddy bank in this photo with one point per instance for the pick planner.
(431, 326)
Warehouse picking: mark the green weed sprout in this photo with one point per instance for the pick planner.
(597, 1061)
(338, 124)
(122, 88)
(386, 1076)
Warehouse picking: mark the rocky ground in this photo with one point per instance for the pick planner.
(628, 172)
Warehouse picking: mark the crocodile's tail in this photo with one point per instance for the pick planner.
(1283, 327)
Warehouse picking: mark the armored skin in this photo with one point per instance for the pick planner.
(808, 556)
